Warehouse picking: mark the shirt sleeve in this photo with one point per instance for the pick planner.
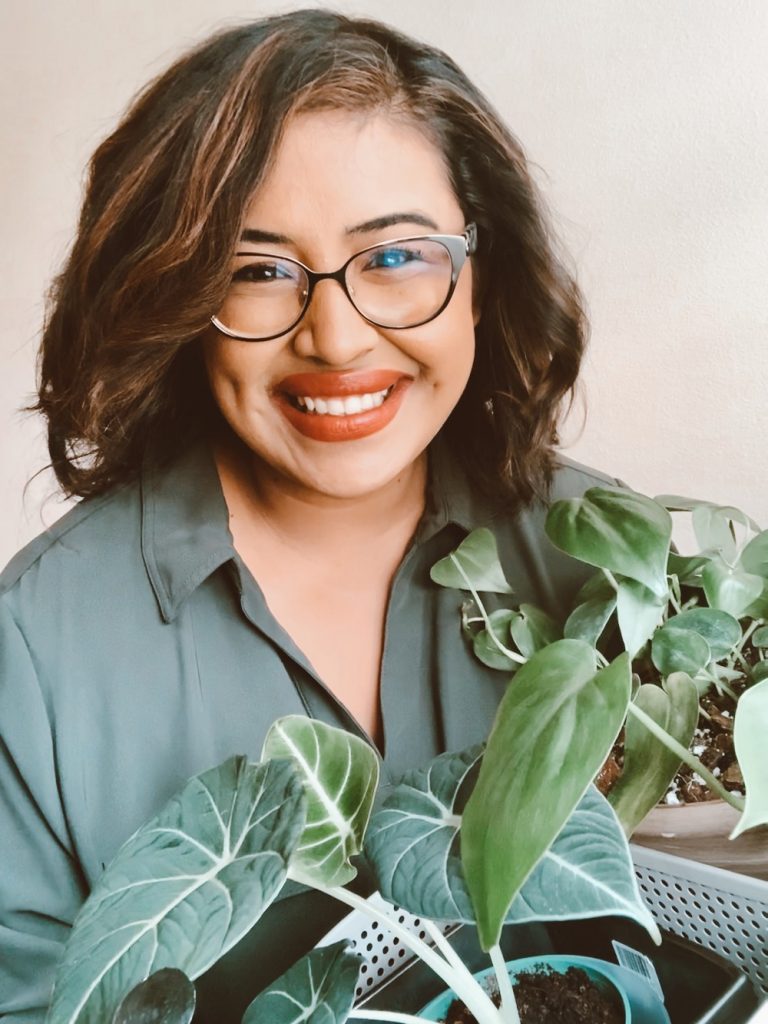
(41, 886)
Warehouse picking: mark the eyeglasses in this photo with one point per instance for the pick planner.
(405, 282)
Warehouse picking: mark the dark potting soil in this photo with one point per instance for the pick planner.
(548, 997)
(712, 744)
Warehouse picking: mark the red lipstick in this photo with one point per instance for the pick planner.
(332, 384)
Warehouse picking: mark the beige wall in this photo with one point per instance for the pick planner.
(647, 124)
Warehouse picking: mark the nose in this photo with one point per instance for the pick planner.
(332, 330)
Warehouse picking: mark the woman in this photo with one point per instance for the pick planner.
(311, 332)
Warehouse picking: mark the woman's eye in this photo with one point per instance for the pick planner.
(392, 258)
(263, 273)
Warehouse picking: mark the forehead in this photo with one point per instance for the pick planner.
(335, 169)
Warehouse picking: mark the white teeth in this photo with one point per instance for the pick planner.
(343, 406)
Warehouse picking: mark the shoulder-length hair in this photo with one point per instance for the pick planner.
(120, 366)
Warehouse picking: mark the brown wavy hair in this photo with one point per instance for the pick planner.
(120, 366)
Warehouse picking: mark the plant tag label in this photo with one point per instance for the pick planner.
(640, 964)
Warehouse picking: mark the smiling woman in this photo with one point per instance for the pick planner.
(310, 334)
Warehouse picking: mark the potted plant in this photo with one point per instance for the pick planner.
(695, 628)
(510, 831)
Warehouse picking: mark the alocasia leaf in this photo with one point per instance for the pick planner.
(617, 530)
(184, 888)
(750, 729)
(553, 729)
(413, 841)
(340, 773)
(649, 766)
(474, 565)
(318, 989)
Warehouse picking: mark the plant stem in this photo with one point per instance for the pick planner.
(686, 757)
(463, 985)
(509, 1012)
(512, 655)
(360, 1013)
(611, 579)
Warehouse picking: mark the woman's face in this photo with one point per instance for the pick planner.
(335, 178)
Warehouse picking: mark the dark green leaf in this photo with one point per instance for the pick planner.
(730, 590)
(679, 650)
(687, 568)
(184, 888)
(617, 530)
(340, 773)
(474, 565)
(318, 989)
(760, 637)
(639, 612)
(554, 727)
(532, 630)
(486, 650)
(759, 672)
(649, 766)
(588, 620)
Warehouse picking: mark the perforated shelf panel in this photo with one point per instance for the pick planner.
(720, 910)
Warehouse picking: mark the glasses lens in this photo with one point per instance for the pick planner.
(400, 284)
(266, 296)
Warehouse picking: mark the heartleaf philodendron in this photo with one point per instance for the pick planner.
(554, 727)
(340, 773)
(749, 732)
(616, 530)
(184, 888)
(474, 565)
(648, 764)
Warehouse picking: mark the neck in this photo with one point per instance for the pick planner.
(259, 496)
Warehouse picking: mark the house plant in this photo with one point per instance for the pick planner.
(695, 628)
(509, 832)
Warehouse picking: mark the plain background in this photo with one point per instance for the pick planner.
(645, 123)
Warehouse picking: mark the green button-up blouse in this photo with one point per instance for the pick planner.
(136, 650)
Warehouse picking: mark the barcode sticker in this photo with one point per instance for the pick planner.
(640, 964)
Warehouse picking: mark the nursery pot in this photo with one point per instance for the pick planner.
(639, 1001)
(700, 832)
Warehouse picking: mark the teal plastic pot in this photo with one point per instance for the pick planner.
(640, 1002)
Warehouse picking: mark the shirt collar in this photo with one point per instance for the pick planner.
(185, 522)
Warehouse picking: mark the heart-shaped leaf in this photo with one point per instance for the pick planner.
(760, 637)
(532, 630)
(730, 590)
(184, 888)
(617, 530)
(750, 729)
(474, 565)
(588, 620)
(340, 773)
(318, 989)
(649, 766)
(639, 612)
(553, 729)
(721, 631)
(487, 649)
(754, 557)
(679, 650)
(714, 531)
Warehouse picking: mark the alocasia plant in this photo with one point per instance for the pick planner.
(510, 831)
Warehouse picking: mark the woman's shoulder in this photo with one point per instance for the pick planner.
(89, 536)
(570, 479)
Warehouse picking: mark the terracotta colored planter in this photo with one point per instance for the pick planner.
(700, 832)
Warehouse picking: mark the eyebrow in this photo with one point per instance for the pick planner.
(376, 224)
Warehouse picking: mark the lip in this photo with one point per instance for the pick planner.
(331, 429)
(339, 383)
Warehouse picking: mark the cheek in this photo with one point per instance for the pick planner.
(232, 372)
